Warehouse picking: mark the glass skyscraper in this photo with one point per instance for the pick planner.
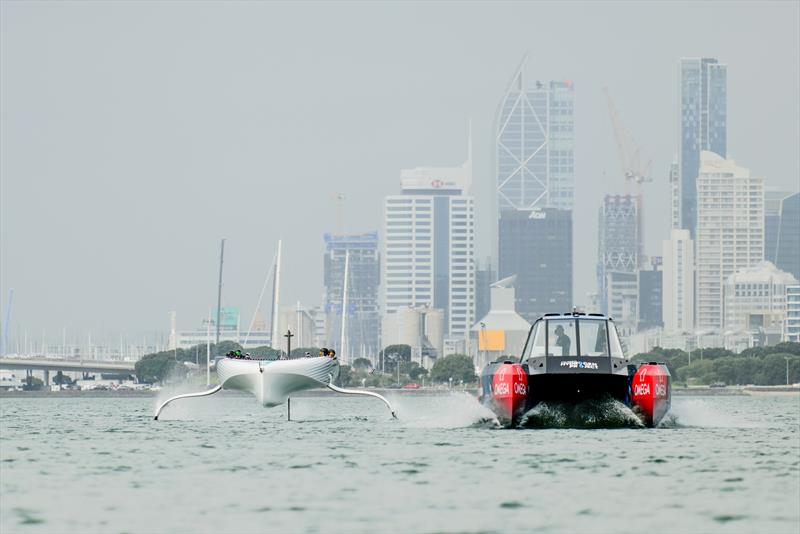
(787, 247)
(535, 188)
(703, 126)
(535, 138)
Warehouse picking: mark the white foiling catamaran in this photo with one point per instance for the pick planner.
(272, 382)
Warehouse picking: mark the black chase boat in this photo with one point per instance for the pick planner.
(574, 357)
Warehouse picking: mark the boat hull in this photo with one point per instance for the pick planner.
(272, 382)
(510, 390)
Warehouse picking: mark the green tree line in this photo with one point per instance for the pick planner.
(757, 365)
(160, 366)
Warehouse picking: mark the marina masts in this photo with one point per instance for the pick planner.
(219, 290)
(344, 307)
(276, 292)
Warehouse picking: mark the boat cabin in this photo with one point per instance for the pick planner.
(574, 335)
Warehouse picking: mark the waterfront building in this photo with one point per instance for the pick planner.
(619, 253)
(730, 231)
(755, 302)
(229, 330)
(537, 247)
(791, 328)
(678, 282)
(787, 246)
(703, 126)
(362, 323)
(420, 328)
(651, 295)
(501, 331)
(428, 246)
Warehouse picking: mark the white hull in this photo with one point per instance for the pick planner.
(272, 382)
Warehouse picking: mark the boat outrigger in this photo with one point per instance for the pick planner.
(572, 357)
(273, 381)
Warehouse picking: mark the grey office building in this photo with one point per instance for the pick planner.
(703, 126)
(537, 247)
(772, 222)
(485, 276)
(651, 296)
(787, 246)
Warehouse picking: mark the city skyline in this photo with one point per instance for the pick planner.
(136, 241)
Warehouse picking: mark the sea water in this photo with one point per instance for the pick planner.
(225, 464)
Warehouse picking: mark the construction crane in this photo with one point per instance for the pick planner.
(634, 171)
(630, 155)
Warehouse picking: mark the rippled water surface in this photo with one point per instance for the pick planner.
(223, 464)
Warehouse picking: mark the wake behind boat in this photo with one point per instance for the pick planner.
(272, 382)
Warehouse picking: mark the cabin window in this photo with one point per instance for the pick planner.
(594, 341)
(537, 345)
(616, 347)
(561, 339)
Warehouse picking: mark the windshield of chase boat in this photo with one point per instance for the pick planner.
(584, 337)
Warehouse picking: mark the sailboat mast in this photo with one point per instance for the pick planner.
(208, 349)
(219, 288)
(276, 301)
(344, 306)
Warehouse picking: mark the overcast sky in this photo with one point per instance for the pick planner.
(136, 135)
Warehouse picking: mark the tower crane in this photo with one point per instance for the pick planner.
(634, 170)
(630, 154)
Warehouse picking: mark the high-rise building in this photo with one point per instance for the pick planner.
(730, 231)
(535, 138)
(537, 247)
(618, 255)
(485, 276)
(755, 302)
(429, 257)
(651, 295)
(703, 126)
(787, 246)
(535, 187)
(772, 221)
(362, 323)
(791, 327)
(678, 282)
(675, 192)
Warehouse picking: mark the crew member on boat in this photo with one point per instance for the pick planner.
(562, 340)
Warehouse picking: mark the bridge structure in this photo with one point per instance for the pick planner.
(64, 365)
